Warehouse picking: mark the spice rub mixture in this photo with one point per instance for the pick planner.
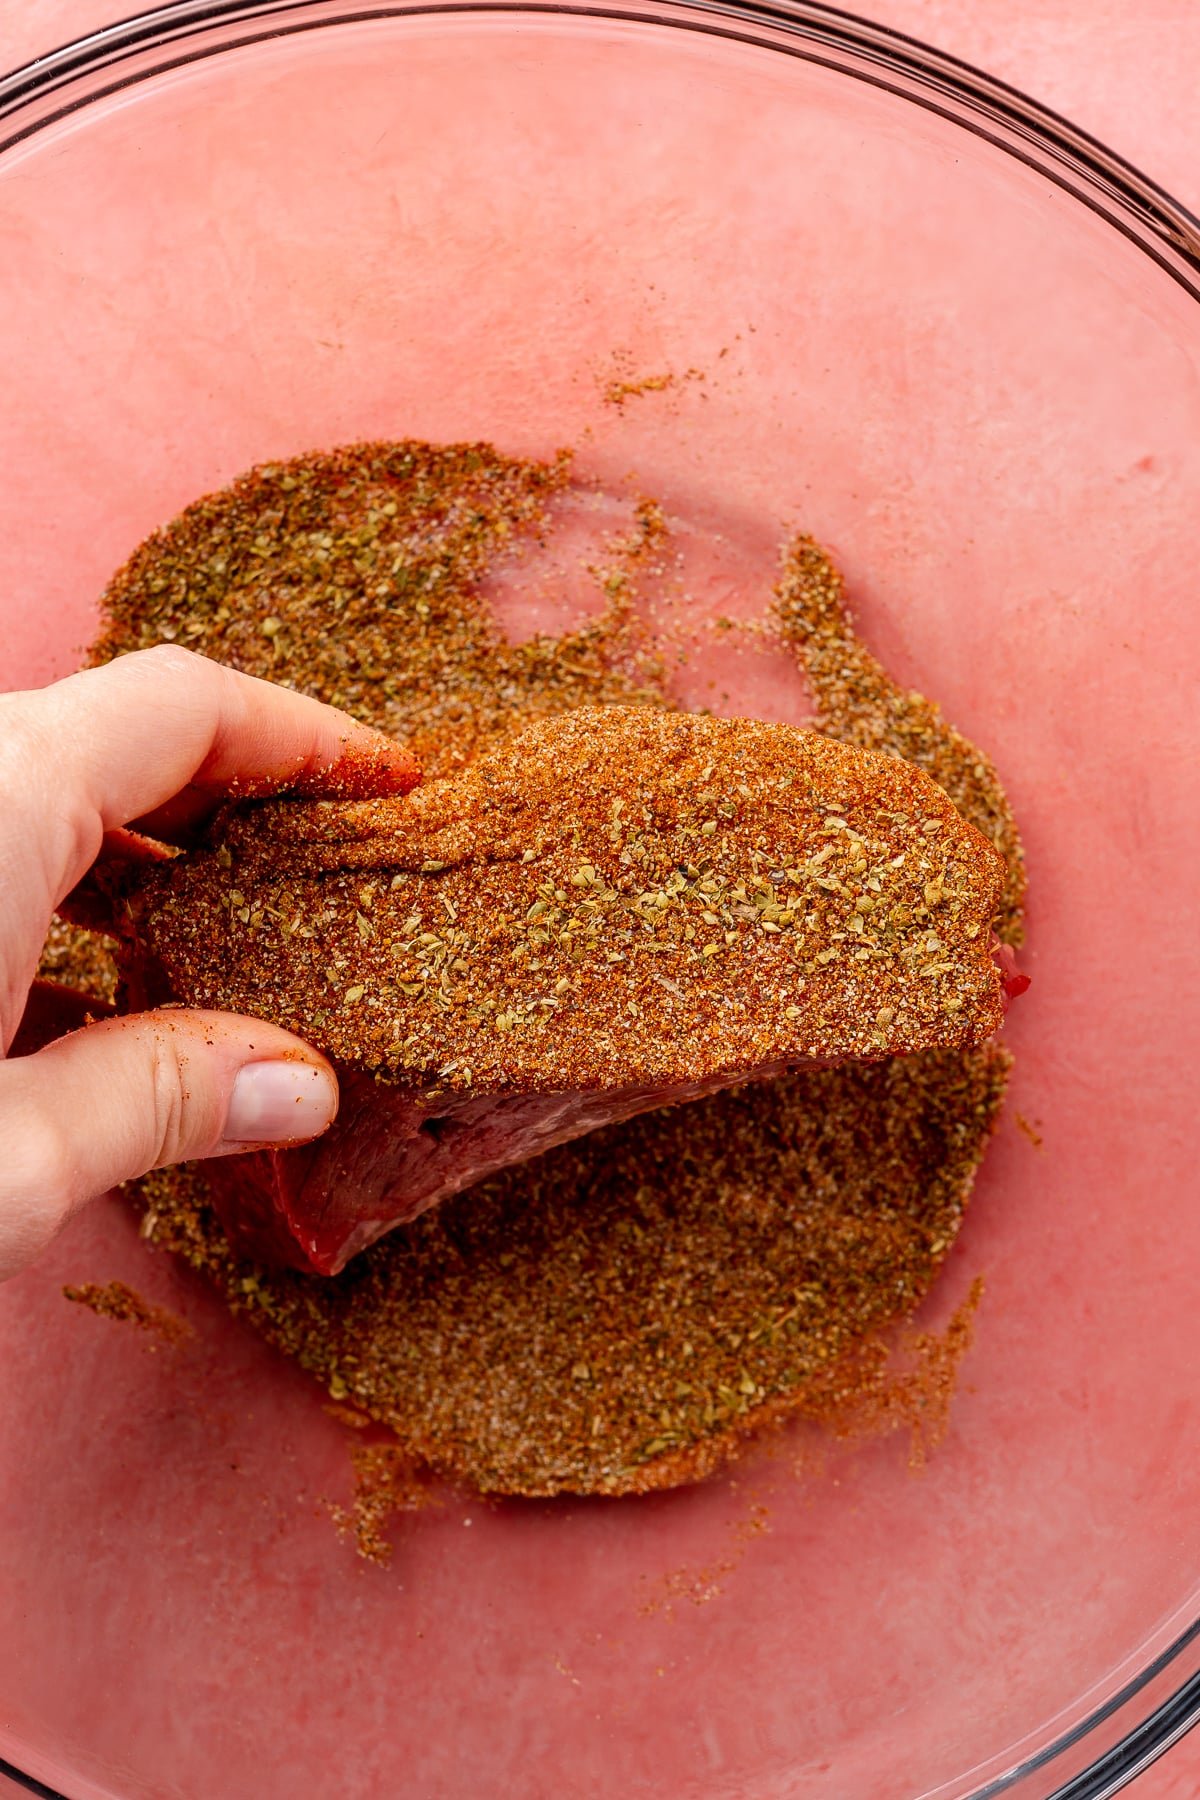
(82, 960)
(858, 702)
(614, 898)
(617, 1314)
(614, 1315)
(354, 575)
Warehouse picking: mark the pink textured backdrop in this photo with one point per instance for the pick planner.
(1126, 70)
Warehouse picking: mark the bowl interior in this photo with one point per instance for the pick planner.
(887, 331)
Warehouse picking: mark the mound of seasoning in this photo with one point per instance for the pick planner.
(619, 1313)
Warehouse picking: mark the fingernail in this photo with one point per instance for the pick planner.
(279, 1103)
(368, 766)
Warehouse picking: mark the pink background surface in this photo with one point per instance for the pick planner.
(1123, 70)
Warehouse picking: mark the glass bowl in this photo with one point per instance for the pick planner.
(960, 343)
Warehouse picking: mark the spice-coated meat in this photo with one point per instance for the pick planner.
(621, 909)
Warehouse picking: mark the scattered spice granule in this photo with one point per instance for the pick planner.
(701, 1585)
(117, 1301)
(348, 1415)
(386, 1484)
(632, 387)
(1028, 1130)
(619, 1314)
(617, 392)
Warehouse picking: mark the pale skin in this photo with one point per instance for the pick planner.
(151, 740)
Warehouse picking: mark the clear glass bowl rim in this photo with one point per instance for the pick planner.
(1119, 1738)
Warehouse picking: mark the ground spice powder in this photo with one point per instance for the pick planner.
(354, 575)
(83, 960)
(385, 1485)
(615, 1315)
(858, 702)
(620, 1313)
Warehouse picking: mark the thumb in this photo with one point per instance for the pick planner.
(110, 1102)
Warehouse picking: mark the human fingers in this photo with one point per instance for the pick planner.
(110, 745)
(116, 744)
(111, 1101)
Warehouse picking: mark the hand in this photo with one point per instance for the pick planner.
(151, 740)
